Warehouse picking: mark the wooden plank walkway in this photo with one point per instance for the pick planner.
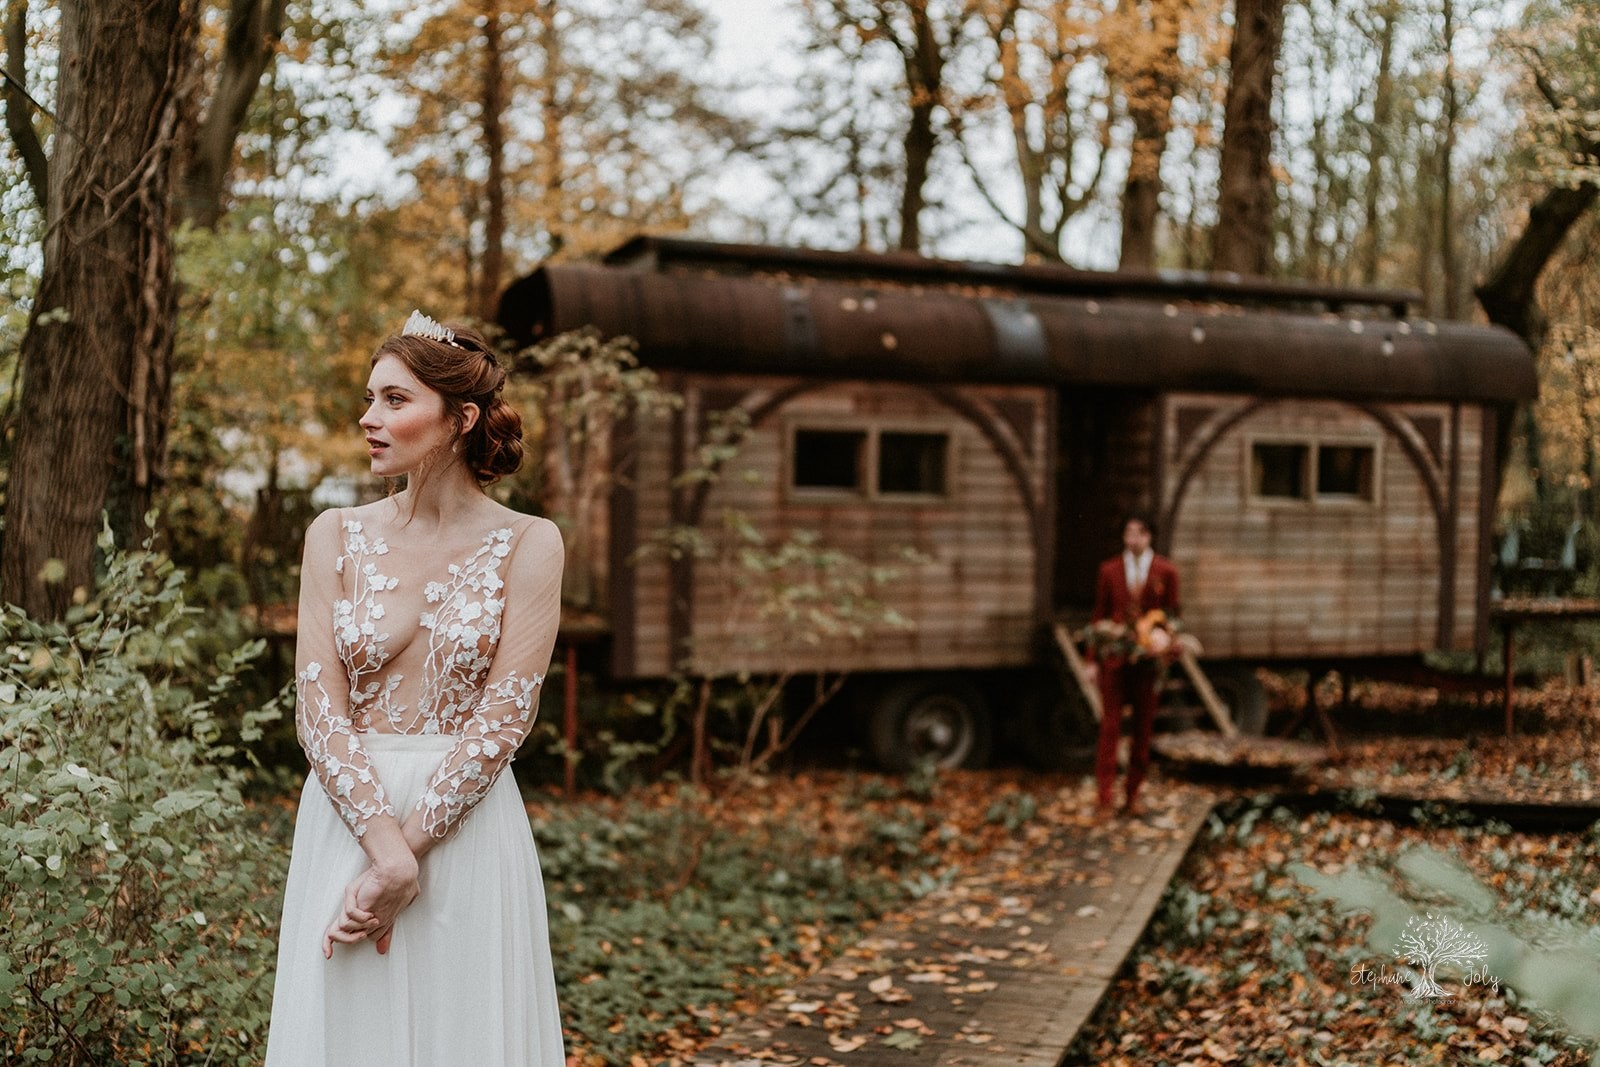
(1000, 968)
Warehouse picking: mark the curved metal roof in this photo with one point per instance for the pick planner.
(859, 316)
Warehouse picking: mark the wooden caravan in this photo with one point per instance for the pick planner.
(1322, 464)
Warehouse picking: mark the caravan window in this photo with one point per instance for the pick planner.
(829, 459)
(1346, 471)
(913, 463)
(1312, 471)
(903, 464)
(1278, 470)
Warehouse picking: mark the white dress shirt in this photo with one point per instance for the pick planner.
(1136, 569)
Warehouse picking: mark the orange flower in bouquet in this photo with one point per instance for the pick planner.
(1150, 633)
(1155, 635)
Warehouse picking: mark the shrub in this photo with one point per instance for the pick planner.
(138, 894)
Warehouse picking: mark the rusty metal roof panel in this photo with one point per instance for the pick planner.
(662, 254)
(733, 323)
(1164, 346)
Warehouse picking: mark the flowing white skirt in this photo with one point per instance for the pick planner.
(467, 979)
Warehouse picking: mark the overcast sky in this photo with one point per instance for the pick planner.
(748, 31)
(757, 43)
(757, 49)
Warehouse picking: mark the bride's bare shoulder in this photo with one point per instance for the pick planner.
(383, 511)
(533, 529)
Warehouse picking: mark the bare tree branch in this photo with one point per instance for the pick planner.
(254, 29)
(19, 123)
(1541, 77)
(1509, 296)
(958, 129)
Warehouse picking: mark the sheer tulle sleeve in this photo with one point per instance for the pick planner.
(505, 708)
(322, 684)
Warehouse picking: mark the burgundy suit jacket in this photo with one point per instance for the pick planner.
(1112, 599)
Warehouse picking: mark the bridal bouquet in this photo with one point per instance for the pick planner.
(1156, 635)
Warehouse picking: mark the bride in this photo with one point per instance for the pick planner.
(414, 927)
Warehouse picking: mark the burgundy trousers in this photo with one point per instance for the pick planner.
(1122, 684)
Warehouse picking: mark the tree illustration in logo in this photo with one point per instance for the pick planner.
(1431, 940)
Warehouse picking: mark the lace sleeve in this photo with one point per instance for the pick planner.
(509, 700)
(322, 685)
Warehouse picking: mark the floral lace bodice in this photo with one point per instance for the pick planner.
(406, 642)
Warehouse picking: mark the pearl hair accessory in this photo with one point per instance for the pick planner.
(419, 325)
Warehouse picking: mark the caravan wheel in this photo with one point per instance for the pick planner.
(932, 718)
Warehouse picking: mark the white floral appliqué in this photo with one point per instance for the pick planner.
(454, 696)
(330, 743)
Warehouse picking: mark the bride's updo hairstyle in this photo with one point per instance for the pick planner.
(464, 370)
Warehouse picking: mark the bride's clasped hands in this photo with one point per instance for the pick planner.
(375, 900)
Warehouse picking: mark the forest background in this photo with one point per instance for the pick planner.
(323, 166)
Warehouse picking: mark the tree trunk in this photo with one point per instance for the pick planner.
(92, 421)
(1428, 223)
(1378, 146)
(471, 212)
(919, 145)
(1149, 91)
(552, 112)
(254, 29)
(1141, 196)
(860, 185)
(1312, 260)
(1448, 263)
(1510, 296)
(1030, 163)
(1242, 241)
(1035, 90)
(924, 60)
(492, 269)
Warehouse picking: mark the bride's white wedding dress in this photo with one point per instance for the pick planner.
(418, 670)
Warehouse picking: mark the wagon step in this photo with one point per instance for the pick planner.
(1208, 695)
(1191, 667)
(1078, 668)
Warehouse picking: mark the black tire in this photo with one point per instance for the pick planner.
(938, 718)
(1241, 690)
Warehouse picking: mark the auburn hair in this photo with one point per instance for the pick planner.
(466, 372)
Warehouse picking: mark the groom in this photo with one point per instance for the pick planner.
(1129, 585)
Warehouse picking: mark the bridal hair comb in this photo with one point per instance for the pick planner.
(419, 325)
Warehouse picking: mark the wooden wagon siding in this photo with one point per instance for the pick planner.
(1282, 579)
(976, 599)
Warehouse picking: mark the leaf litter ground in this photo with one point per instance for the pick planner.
(749, 890)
